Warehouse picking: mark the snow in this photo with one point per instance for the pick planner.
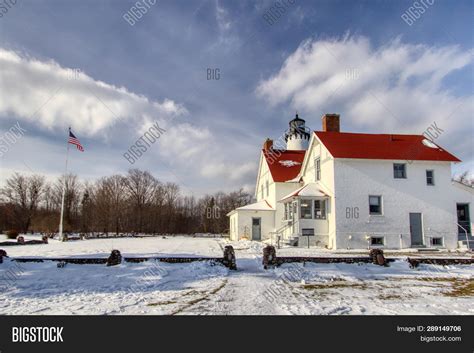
(150, 246)
(156, 288)
(310, 190)
(257, 206)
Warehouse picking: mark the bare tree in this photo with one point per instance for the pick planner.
(24, 193)
(136, 202)
(72, 198)
(140, 186)
(465, 179)
(116, 187)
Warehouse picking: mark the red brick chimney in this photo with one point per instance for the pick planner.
(331, 122)
(268, 144)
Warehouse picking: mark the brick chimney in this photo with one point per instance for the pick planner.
(268, 144)
(331, 122)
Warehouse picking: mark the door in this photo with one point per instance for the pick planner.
(256, 229)
(416, 229)
(463, 219)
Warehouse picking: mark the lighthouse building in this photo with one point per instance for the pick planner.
(341, 190)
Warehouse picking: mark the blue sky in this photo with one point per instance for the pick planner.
(403, 78)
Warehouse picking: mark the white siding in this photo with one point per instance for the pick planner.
(355, 180)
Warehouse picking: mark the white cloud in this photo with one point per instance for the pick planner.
(185, 141)
(222, 17)
(377, 88)
(52, 96)
(397, 88)
(183, 152)
(229, 171)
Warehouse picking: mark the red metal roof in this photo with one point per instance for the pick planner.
(382, 146)
(284, 165)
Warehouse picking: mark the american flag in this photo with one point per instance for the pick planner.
(74, 141)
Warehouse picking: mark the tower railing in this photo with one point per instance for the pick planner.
(300, 130)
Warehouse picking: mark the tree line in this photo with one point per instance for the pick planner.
(133, 203)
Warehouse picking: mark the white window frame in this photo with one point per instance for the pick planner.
(381, 206)
(442, 241)
(432, 177)
(377, 237)
(323, 208)
(288, 211)
(317, 169)
(404, 169)
(310, 203)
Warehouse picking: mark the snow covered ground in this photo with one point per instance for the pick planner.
(154, 288)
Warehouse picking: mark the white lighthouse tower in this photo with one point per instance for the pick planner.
(297, 136)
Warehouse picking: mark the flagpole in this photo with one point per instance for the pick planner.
(61, 238)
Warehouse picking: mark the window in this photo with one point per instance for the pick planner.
(376, 241)
(375, 205)
(319, 209)
(261, 191)
(430, 177)
(437, 241)
(317, 167)
(305, 209)
(399, 171)
(268, 189)
(290, 210)
(285, 205)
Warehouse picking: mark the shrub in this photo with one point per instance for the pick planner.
(11, 234)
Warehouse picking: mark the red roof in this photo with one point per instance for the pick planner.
(382, 146)
(284, 165)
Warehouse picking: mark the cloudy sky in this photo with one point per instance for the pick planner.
(81, 64)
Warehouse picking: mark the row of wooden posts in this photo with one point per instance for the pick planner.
(269, 260)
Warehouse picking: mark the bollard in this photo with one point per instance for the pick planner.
(20, 240)
(413, 262)
(269, 257)
(3, 254)
(229, 258)
(377, 257)
(115, 258)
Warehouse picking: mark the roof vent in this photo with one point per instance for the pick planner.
(428, 143)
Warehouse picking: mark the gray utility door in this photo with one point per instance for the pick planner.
(256, 229)
(416, 229)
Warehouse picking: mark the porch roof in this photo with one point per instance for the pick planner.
(262, 205)
(309, 190)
